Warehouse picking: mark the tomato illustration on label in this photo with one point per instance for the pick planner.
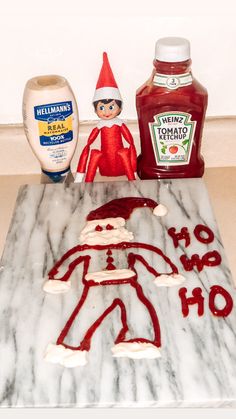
(173, 149)
(172, 134)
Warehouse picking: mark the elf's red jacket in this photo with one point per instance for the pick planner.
(110, 163)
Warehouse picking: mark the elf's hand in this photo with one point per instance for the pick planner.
(79, 177)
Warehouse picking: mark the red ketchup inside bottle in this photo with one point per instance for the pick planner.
(171, 109)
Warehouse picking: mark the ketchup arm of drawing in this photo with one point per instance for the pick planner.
(166, 279)
(59, 276)
(81, 168)
(128, 137)
(133, 257)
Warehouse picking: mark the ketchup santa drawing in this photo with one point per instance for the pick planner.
(113, 158)
(118, 258)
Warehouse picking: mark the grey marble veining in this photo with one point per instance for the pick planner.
(198, 363)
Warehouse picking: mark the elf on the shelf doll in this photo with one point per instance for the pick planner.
(113, 158)
(110, 263)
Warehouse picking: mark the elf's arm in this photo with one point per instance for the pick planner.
(59, 276)
(81, 168)
(128, 137)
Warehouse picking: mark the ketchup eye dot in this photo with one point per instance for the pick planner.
(109, 227)
(98, 228)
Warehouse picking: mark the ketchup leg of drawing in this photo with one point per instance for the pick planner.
(70, 321)
(155, 322)
(86, 342)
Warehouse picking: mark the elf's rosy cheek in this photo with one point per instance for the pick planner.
(109, 227)
(98, 228)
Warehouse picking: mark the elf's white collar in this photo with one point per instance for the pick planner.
(109, 122)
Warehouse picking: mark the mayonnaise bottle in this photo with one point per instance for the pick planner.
(51, 122)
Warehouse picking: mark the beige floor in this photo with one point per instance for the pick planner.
(221, 185)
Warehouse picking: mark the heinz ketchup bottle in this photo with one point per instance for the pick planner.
(171, 108)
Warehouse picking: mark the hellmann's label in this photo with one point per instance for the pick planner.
(172, 136)
(55, 123)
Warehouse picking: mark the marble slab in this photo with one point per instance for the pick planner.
(198, 363)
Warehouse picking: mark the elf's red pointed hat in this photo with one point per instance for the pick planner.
(123, 207)
(106, 85)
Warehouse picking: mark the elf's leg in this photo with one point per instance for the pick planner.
(125, 159)
(139, 347)
(95, 157)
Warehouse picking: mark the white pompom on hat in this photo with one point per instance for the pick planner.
(106, 85)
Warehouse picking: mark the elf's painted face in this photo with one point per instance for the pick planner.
(107, 110)
(104, 232)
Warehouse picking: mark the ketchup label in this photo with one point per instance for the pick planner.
(174, 81)
(172, 136)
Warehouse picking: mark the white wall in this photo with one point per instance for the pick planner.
(67, 37)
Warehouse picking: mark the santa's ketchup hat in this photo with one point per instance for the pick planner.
(123, 207)
(106, 85)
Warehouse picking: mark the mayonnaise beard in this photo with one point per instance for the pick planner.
(89, 234)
